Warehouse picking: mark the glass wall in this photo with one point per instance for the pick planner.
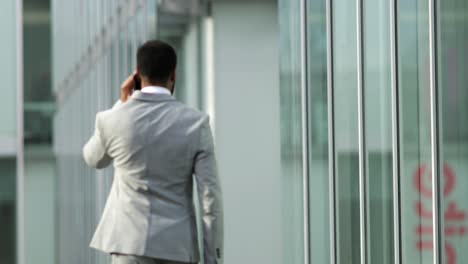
(292, 155)
(377, 112)
(385, 130)
(346, 134)
(317, 118)
(90, 60)
(452, 65)
(415, 120)
(10, 30)
(38, 111)
(8, 64)
(8, 210)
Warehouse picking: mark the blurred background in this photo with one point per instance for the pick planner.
(340, 125)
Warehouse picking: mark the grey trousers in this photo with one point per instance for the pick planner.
(131, 259)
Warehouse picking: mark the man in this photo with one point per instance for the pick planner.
(157, 144)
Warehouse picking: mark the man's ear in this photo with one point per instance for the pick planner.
(173, 76)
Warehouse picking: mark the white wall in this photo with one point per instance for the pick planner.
(247, 128)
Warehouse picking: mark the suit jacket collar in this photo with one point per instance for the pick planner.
(138, 95)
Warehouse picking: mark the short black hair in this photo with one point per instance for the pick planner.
(156, 60)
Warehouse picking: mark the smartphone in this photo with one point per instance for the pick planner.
(136, 83)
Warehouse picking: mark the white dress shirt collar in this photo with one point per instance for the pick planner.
(148, 90)
(155, 90)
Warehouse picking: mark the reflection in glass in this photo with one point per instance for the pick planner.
(318, 132)
(416, 206)
(346, 132)
(131, 45)
(114, 71)
(7, 210)
(378, 110)
(140, 27)
(291, 132)
(453, 81)
(123, 57)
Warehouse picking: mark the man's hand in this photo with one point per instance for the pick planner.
(126, 88)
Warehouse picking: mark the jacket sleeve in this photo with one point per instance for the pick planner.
(94, 151)
(209, 192)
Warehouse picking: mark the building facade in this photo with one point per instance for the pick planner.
(330, 116)
(373, 130)
(27, 164)
(94, 50)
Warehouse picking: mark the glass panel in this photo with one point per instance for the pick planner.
(7, 210)
(38, 97)
(378, 114)
(151, 23)
(140, 25)
(8, 131)
(318, 131)
(123, 57)
(8, 70)
(39, 107)
(114, 68)
(453, 63)
(131, 45)
(291, 132)
(416, 206)
(346, 132)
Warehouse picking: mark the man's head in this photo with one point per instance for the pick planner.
(156, 63)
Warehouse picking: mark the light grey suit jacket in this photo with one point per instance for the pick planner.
(158, 146)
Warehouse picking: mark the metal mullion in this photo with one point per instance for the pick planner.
(20, 189)
(435, 137)
(305, 144)
(331, 132)
(362, 133)
(395, 130)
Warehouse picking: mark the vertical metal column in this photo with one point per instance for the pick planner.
(331, 132)
(435, 137)
(362, 132)
(19, 135)
(395, 129)
(305, 141)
